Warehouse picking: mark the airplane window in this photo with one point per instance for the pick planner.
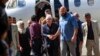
(90, 2)
(77, 3)
(21, 3)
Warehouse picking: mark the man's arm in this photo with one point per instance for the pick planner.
(44, 33)
(74, 37)
(98, 31)
(56, 34)
(31, 34)
(75, 25)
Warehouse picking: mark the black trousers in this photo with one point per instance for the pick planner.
(54, 48)
(37, 44)
(68, 51)
(77, 48)
(25, 52)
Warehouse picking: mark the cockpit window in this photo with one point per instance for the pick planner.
(15, 3)
(11, 3)
(90, 2)
(77, 3)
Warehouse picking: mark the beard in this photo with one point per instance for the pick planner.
(63, 15)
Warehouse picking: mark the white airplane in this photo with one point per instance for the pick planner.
(24, 9)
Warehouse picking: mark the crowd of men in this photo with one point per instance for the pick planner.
(48, 36)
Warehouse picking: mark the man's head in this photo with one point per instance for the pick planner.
(47, 11)
(10, 20)
(49, 19)
(3, 1)
(34, 18)
(14, 20)
(76, 15)
(88, 17)
(63, 11)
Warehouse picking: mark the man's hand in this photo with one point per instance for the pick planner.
(73, 40)
(80, 45)
(51, 37)
(31, 44)
(54, 37)
(20, 48)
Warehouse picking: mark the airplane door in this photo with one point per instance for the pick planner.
(41, 7)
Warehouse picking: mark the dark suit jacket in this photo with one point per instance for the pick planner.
(50, 31)
(80, 33)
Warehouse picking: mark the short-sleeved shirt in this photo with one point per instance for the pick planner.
(67, 25)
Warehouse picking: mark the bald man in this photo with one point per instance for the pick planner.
(79, 40)
(68, 28)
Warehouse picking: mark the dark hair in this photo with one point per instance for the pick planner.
(14, 18)
(9, 17)
(48, 10)
(20, 19)
(87, 14)
(34, 18)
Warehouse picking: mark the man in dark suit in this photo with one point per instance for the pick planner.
(49, 29)
(79, 35)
